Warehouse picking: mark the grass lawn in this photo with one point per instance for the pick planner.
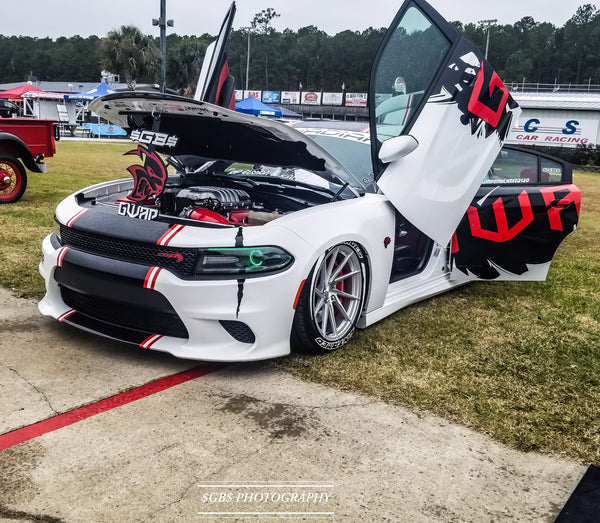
(25, 223)
(519, 361)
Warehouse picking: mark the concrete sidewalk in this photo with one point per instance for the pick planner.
(236, 443)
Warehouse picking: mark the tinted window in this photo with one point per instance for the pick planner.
(513, 167)
(552, 172)
(405, 70)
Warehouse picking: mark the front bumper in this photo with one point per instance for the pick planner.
(212, 320)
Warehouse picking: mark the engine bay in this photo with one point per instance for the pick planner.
(214, 192)
(209, 204)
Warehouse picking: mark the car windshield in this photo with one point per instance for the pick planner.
(350, 148)
(195, 165)
(286, 173)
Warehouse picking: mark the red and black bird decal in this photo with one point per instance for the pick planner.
(148, 179)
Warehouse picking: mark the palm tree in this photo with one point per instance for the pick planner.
(130, 53)
(185, 62)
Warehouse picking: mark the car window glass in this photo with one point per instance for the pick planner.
(405, 70)
(350, 148)
(552, 172)
(513, 167)
(286, 173)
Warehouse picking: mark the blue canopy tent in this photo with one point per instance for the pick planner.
(286, 113)
(91, 94)
(252, 106)
(92, 128)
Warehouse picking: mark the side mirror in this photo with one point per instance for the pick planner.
(396, 148)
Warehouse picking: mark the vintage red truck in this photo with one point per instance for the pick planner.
(24, 142)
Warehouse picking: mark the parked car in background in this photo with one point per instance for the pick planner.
(241, 238)
(8, 109)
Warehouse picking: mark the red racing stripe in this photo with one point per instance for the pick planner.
(151, 276)
(169, 235)
(150, 340)
(61, 256)
(76, 217)
(68, 418)
(65, 315)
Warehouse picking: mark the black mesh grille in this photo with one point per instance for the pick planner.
(238, 331)
(116, 313)
(182, 260)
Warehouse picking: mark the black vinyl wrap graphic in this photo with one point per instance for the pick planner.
(483, 100)
(514, 227)
(105, 221)
(239, 242)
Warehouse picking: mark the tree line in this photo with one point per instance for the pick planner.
(310, 59)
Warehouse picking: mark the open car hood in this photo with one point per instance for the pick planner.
(176, 126)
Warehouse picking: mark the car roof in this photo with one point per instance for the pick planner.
(346, 125)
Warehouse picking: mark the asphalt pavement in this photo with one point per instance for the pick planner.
(246, 442)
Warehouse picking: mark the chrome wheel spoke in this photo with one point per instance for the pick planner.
(319, 304)
(340, 307)
(340, 267)
(332, 322)
(331, 270)
(346, 276)
(342, 294)
(323, 320)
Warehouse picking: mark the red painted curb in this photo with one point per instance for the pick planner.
(73, 416)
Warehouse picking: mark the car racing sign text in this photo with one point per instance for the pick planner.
(549, 131)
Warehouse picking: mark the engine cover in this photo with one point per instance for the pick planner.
(213, 198)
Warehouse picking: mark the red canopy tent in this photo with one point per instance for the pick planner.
(17, 92)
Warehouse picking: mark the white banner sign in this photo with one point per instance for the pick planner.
(554, 131)
(333, 98)
(290, 97)
(356, 99)
(253, 94)
(310, 98)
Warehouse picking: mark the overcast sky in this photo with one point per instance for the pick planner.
(70, 17)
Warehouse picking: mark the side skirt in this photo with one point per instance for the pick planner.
(433, 280)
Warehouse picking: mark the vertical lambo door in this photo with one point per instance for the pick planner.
(215, 84)
(439, 114)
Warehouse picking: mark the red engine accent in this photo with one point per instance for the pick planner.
(240, 217)
(206, 215)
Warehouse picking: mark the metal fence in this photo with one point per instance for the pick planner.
(524, 87)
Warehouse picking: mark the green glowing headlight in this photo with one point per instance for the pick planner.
(256, 258)
(242, 260)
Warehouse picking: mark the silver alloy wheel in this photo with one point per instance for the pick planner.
(337, 292)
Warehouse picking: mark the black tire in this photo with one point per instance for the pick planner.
(13, 179)
(331, 301)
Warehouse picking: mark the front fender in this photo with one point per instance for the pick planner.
(13, 145)
(367, 221)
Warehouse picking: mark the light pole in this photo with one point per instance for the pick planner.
(162, 22)
(249, 31)
(248, 60)
(487, 24)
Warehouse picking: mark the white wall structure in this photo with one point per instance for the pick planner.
(557, 119)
